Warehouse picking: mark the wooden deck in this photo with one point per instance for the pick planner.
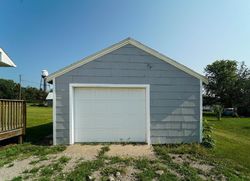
(12, 119)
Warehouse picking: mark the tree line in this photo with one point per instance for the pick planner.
(228, 86)
(10, 90)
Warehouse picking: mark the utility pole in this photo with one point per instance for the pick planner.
(20, 87)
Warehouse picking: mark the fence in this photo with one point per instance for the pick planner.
(12, 119)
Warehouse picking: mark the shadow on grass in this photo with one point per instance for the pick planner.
(40, 135)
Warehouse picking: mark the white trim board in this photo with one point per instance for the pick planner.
(201, 112)
(71, 104)
(54, 112)
(5, 60)
(119, 45)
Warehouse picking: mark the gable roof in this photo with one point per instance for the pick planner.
(5, 60)
(119, 45)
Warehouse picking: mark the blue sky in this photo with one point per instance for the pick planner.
(50, 34)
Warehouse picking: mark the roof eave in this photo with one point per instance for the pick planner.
(6, 60)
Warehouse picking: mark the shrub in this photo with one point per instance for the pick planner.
(207, 140)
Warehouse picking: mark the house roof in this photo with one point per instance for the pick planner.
(5, 60)
(119, 45)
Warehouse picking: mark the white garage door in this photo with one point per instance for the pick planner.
(109, 114)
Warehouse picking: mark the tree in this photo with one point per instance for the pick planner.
(242, 87)
(8, 89)
(218, 109)
(32, 94)
(227, 83)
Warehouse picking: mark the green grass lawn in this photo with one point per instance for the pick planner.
(37, 116)
(39, 123)
(232, 136)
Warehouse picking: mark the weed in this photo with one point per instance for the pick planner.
(41, 158)
(103, 150)
(44, 179)
(34, 162)
(63, 159)
(116, 159)
(147, 172)
(10, 165)
(54, 167)
(84, 169)
(33, 170)
(142, 163)
(26, 171)
(47, 171)
(19, 178)
(184, 169)
(112, 170)
(168, 176)
(25, 177)
(146, 175)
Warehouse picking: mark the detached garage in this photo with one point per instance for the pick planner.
(127, 92)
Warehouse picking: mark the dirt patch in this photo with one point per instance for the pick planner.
(130, 174)
(96, 175)
(134, 151)
(203, 167)
(175, 173)
(78, 152)
(181, 158)
(70, 165)
(75, 152)
(87, 152)
(7, 173)
(202, 177)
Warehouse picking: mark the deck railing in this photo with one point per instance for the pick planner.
(12, 118)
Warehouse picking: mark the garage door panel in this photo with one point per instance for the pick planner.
(109, 135)
(109, 114)
(106, 125)
(107, 107)
(116, 106)
(108, 93)
(131, 120)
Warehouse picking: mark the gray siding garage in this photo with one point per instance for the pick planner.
(127, 92)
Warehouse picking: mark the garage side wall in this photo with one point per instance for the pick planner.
(174, 95)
